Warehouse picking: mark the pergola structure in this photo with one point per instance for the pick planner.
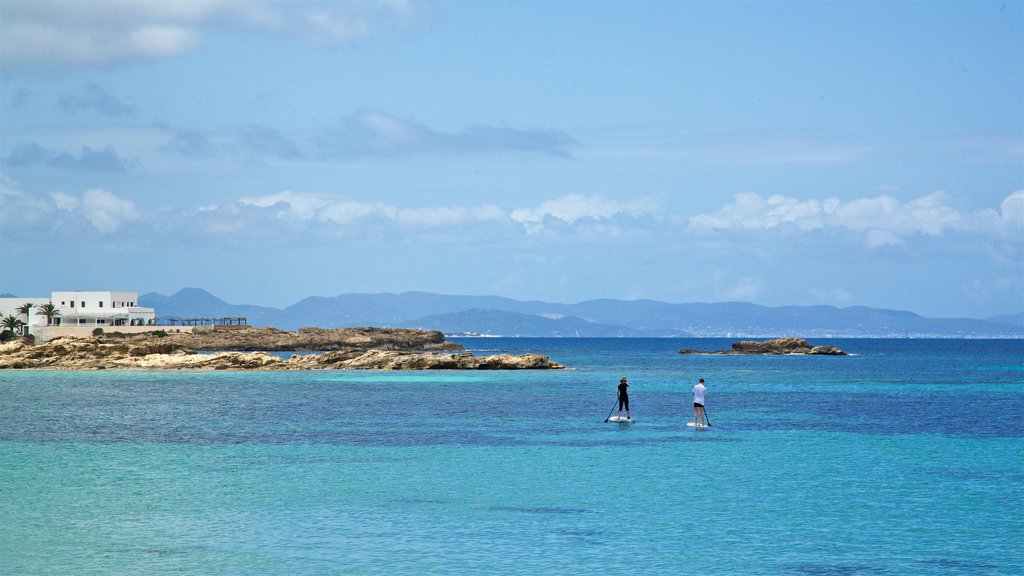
(225, 321)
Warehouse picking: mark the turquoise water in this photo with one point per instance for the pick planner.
(907, 458)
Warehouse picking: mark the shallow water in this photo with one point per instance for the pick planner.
(906, 458)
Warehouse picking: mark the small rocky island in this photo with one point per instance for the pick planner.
(247, 348)
(777, 346)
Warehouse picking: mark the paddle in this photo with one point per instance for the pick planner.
(612, 410)
(706, 419)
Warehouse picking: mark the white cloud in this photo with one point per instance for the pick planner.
(443, 216)
(51, 34)
(875, 238)
(57, 34)
(574, 208)
(298, 206)
(338, 22)
(311, 208)
(106, 211)
(349, 212)
(1012, 211)
(96, 208)
(883, 220)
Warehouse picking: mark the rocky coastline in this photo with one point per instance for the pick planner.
(778, 346)
(247, 348)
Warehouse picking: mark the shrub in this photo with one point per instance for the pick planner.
(7, 336)
(97, 331)
(160, 333)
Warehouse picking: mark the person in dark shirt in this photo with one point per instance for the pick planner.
(624, 398)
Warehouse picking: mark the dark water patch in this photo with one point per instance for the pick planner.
(988, 415)
(833, 569)
(545, 510)
(403, 437)
(956, 566)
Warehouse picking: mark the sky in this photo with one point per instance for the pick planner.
(780, 153)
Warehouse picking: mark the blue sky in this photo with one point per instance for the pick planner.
(851, 153)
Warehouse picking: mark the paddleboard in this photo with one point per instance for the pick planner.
(695, 425)
(620, 420)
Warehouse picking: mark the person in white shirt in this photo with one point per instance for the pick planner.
(699, 391)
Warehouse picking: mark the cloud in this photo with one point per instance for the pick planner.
(342, 22)
(20, 210)
(1011, 211)
(26, 214)
(92, 97)
(879, 223)
(372, 133)
(581, 212)
(97, 33)
(88, 160)
(318, 210)
(929, 215)
(365, 134)
(46, 35)
(107, 212)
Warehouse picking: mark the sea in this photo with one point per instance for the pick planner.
(905, 457)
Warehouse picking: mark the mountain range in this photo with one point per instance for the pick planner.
(497, 316)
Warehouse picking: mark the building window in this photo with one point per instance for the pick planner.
(101, 304)
(83, 303)
(72, 303)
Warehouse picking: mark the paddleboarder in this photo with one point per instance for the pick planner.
(699, 391)
(624, 397)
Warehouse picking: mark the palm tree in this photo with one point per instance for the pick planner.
(25, 309)
(50, 311)
(12, 323)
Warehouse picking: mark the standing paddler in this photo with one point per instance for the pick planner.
(699, 391)
(624, 397)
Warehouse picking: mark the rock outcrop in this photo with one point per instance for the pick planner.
(268, 339)
(777, 346)
(358, 348)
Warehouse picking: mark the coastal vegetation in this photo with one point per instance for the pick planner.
(50, 311)
(12, 323)
(25, 309)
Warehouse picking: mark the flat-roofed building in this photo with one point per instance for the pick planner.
(16, 307)
(101, 308)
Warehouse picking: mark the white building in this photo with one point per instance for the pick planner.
(85, 309)
(101, 309)
(11, 306)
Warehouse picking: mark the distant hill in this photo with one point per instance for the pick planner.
(1011, 319)
(506, 317)
(515, 324)
(198, 303)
